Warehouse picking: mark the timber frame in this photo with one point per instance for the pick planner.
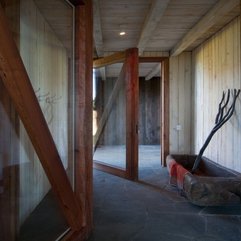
(76, 205)
(165, 102)
(130, 73)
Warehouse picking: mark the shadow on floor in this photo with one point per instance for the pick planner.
(152, 210)
(46, 222)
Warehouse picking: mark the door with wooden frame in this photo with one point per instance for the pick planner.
(115, 114)
(163, 67)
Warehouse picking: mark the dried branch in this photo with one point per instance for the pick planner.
(221, 119)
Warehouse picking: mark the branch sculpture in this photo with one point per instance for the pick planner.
(220, 120)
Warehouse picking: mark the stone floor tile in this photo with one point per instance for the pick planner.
(224, 227)
(153, 210)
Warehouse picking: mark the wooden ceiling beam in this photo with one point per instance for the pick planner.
(156, 71)
(221, 9)
(111, 59)
(152, 20)
(152, 59)
(98, 36)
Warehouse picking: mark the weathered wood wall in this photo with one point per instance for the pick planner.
(216, 67)
(180, 103)
(114, 130)
(149, 111)
(46, 62)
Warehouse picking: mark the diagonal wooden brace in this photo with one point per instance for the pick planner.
(20, 90)
(111, 101)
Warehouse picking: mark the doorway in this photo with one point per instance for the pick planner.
(116, 115)
(153, 117)
(149, 115)
(115, 109)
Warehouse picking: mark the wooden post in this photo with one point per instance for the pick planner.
(132, 88)
(9, 148)
(20, 90)
(83, 113)
(165, 111)
(9, 180)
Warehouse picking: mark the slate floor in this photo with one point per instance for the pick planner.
(152, 210)
(46, 222)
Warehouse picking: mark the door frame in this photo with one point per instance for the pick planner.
(130, 76)
(132, 110)
(165, 103)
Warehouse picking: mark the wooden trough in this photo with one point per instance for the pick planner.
(211, 185)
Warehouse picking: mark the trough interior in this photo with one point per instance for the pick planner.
(206, 168)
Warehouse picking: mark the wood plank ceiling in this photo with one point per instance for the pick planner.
(158, 25)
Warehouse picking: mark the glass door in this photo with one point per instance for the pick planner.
(115, 127)
(110, 116)
(153, 115)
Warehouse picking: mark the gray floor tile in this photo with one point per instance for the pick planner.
(152, 210)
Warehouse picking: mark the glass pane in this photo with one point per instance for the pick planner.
(110, 116)
(46, 47)
(28, 208)
(45, 222)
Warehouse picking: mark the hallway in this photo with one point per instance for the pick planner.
(152, 210)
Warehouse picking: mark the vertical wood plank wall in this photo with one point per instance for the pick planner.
(149, 114)
(114, 130)
(216, 67)
(180, 103)
(46, 62)
(149, 111)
